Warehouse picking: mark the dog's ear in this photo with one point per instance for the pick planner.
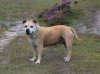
(35, 21)
(24, 21)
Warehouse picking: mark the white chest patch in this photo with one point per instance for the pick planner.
(33, 42)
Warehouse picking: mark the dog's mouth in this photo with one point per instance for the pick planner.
(27, 33)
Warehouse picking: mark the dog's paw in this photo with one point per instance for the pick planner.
(66, 59)
(32, 59)
(37, 62)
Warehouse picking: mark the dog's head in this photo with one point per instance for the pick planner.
(31, 26)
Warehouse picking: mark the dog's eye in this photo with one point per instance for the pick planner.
(31, 26)
(25, 26)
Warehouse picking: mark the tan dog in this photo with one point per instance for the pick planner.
(46, 36)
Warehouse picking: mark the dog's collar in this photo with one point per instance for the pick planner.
(33, 34)
(37, 29)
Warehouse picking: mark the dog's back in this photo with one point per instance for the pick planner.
(54, 35)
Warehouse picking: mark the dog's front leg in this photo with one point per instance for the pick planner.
(34, 55)
(39, 50)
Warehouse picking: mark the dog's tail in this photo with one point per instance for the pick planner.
(75, 34)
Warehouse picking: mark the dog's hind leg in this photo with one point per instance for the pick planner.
(69, 48)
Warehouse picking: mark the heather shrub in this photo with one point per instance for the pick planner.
(57, 14)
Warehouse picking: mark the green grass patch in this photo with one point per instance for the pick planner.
(85, 58)
(83, 11)
(17, 9)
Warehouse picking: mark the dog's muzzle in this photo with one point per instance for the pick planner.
(27, 31)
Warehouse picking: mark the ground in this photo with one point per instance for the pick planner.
(14, 58)
(85, 58)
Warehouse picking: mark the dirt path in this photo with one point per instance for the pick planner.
(93, 26)
(11, 34)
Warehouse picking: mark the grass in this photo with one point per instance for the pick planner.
(17, 9)
(85, 59)
(83, 11)
(22, 9)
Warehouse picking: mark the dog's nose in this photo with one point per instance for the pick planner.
(27, 31)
